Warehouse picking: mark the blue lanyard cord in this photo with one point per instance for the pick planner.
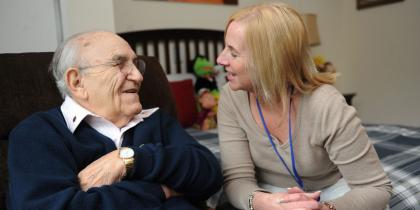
(295, 174)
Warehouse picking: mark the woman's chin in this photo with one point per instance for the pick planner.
(234, 86)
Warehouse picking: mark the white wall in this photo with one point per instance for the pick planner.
(81, 15)
(379, 60)
(133, 15)
(27, 26)
(140, 15)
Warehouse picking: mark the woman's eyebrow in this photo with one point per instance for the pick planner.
(231, 48)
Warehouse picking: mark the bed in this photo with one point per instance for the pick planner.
(398, 146)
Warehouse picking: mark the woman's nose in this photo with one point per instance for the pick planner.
(221, 59)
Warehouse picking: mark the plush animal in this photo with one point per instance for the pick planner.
(205, 72)
(207, 118)
(207, 92)
(324, 66)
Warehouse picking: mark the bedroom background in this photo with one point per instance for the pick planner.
(375, 50)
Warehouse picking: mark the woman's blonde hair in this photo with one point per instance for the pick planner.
(279, 51)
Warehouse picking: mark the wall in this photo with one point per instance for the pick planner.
(80, 15)
(379, 56)
(28, 26)
(141, 15)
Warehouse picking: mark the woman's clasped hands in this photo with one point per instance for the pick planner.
(294, 198)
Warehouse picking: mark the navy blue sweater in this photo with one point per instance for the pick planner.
(45, 159)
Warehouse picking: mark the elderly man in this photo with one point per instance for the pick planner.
(100, 150)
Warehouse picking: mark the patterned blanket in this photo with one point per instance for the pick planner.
(398, 148)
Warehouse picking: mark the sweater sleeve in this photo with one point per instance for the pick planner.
(177, 160)
(237, 164)
(43, 174)
(350, 149)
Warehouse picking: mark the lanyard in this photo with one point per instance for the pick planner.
(295, 174)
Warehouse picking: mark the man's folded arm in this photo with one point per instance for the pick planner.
(179, 161)
(43, 175)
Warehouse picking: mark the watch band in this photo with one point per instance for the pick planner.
(127, 155)
(129, 163)
(251, 201)
(330, 206)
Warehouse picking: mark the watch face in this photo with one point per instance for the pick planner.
(126, 152)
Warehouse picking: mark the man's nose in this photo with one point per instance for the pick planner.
(135, 74)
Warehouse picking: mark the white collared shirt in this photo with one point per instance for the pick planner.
(74, 114)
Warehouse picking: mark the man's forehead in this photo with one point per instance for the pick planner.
(94, 37)
(105, 42)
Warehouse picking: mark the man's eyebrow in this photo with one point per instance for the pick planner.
(119, 58)
(122, 58)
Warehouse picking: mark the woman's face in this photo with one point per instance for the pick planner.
(234, 57)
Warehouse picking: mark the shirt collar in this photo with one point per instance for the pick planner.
(74, 114)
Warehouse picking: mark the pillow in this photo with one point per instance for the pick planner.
(180, 77)
(183, 93)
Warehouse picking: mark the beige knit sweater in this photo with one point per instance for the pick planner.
(329, 143)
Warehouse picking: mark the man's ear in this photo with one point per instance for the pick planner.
(75, 84)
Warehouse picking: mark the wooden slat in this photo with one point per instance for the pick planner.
(178, 35)
(178, 56)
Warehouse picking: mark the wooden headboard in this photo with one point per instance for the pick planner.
(176, 48)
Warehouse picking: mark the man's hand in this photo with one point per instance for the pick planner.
(295, 199)
(106, 170)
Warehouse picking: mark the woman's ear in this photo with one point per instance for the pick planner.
(74, 83)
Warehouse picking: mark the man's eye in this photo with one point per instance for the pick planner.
(136, 61)
(119, 64)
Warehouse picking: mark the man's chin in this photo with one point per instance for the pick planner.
(137, 109)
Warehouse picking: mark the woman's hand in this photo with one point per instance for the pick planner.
(293, 199)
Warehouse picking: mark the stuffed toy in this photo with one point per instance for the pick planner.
(207, 115)
(324, 66)
(205, 72)
(207, 92)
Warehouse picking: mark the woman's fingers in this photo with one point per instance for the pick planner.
(295, 190)
(310, 204)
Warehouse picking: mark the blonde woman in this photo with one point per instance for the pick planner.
(287, 137)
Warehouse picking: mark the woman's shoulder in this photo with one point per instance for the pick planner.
(324, 94)
(325, 97)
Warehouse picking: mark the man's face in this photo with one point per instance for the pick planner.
(111, 88)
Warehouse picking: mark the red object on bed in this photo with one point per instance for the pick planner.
(186, 106)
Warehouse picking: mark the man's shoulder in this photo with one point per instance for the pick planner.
(40, 121)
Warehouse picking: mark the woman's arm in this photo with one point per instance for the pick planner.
(349, 148)
(237, 164)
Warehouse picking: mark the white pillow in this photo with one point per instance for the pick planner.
(180, 77)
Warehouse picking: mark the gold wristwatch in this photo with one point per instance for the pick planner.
(127, 155)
